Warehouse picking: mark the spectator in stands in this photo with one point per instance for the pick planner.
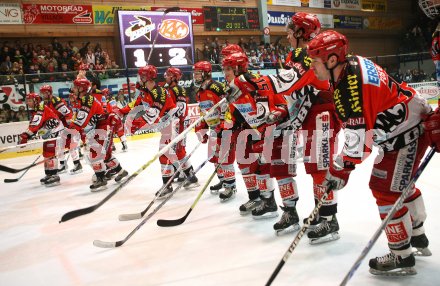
(2, 115)
(90, 57)
(57, 46)
(22, 114)
(65, 59)
(9, 115)
(6, 66)
(121, 101)
(408, 76)
(65, 74)
(254, 61)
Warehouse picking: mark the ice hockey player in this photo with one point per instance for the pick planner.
(221, 143)
(181, 99)
(318, 122)
(159, 110)
(61, 109)
(92, 119)
(248, 112)
(115, 117)
(45, 123)
(375, 109)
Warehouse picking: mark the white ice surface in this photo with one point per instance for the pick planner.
(215, 246)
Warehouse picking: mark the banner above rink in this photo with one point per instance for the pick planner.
(333, 4)
(105, 14)
(10, 13)
(57, 14)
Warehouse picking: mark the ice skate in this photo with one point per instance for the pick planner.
(249, 206)
(124, 146)
(53, 180)
(63, 168)
(164, 193)
(113, 148)
(288, 222)
(267, 209)
(313, 224)
(77, 168)
(110, 174)
(216, 188)
(325, 231)
(420, 242)
(120, 175)
(393, 265)
(227, 194)
(44, 179)
(99, 185)
(191, 182)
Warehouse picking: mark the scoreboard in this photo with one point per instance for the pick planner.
(231, 18)
(174, 45)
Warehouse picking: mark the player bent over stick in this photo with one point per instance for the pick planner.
(94, 122)
(375, 109)
(220, 138)
(46, 123)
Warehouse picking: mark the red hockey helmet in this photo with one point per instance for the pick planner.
(309, 23)
(106, 92)
(149, 71)
(202, 72)
(33, 96)
(231, 49)
(203, 66)
(236, 60)
(46, 88)
(430, 7)
(174, 72)
(82, 85)
(328, 43)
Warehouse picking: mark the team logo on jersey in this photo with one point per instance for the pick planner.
(142, 27)
(370, 74)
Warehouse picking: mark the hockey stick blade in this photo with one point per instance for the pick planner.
(106, 244)
(10, 180)
(173, 222)
(73, 214)
(125, 217)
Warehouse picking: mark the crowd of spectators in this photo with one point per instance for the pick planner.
(411, 76)
(8, 115)
(260, 55)
(34, 59)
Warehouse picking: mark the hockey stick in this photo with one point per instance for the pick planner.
(106, 244)
(79, 212)
(124, 217)
(179, 221)
(166, 11)
(16, 180)
(298, 237)
(26, 144)
(397, 205)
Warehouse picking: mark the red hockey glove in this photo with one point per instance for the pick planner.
(276, 115)
(23, 138)
(432, 129)
(337, 178)
(203, 137)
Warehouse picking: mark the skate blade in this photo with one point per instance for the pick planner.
(192, 186)
(52, 184)
(223, 200)
(76, 172)
(245, 213)
(422, 252)
(290, 229)
(214, 192)
(266, 215)
(324, 239)
(61, 172)
(163, 197)
(405, 271)
(102, 188)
